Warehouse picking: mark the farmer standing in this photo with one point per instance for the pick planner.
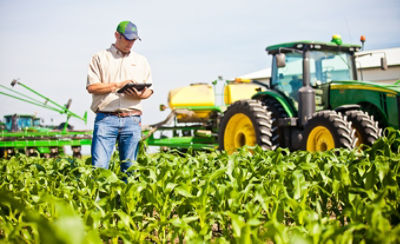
(117, 114)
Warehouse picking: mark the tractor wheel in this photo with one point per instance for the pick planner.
(367, 129)
(326, 130)
(31, 151)
(76, 151)
(277, 112)
(246, 122)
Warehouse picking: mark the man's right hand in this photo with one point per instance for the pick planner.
(104, 88)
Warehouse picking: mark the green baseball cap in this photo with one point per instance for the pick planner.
(128, 30)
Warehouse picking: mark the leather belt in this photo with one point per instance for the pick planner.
(122, 114)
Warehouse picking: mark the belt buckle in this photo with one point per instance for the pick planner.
(122, 114)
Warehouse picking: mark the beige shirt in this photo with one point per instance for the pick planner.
(113, 66)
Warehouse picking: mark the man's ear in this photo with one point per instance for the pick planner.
(116, 34)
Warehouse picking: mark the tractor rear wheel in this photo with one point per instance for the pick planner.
(277, 112)
(327, 130)
(367, 129)
(246, 122)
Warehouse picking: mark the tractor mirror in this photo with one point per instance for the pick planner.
(384, 65)
(280, 60)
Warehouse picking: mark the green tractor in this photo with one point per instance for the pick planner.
(314, 102)
(25, 133)
(18, 122)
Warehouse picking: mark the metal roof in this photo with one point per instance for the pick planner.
(371, 58)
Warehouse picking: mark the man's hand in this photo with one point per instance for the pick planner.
(143, 94)
(104, 88)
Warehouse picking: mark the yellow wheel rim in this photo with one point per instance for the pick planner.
(320, 139)
(359, 138)
(239, 132)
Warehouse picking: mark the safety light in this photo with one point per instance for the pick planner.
(337, 39)
(163, 107)
(362, 40)
(241, 80)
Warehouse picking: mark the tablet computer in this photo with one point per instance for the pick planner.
(137, 86)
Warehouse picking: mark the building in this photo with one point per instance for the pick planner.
(369, 65)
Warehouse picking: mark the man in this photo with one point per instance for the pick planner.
(117, 114)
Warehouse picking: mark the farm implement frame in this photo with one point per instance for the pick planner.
(21, 133)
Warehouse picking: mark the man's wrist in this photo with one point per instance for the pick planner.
(114, 87)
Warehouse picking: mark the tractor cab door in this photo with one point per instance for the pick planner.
(288, 79)
(327, 66)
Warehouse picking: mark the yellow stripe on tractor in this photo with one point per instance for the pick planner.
(361, 87)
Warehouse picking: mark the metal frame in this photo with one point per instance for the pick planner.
(43, 141)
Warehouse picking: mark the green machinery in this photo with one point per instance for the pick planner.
(24, 133)
(313, 102)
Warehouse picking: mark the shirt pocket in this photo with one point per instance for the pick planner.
(136, 73)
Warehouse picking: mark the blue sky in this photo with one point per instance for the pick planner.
(48, 44)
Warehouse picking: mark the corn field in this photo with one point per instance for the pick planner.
(252, 196)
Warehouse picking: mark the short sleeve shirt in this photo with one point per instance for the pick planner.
(111, 65)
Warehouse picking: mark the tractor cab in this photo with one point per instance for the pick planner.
(19, 122)
(325, 63)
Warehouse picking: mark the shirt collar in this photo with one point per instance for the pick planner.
(117, 52)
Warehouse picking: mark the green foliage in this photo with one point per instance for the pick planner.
(278, 196)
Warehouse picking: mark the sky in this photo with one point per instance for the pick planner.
(47, 44)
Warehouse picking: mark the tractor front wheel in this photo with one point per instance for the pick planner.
(327, 130)
(246, 122)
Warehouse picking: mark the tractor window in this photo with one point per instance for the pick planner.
(17, 123)
(8, 123)
(36, 122)
(326, 66)
(289, 79)
(24, 122)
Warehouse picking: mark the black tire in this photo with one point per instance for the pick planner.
(326, 130)
(367, 129)
(277, 112)
(61, 127)
(261, 133)
(31, 151)
(76, 151)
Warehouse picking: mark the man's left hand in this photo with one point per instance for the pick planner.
(143, 94)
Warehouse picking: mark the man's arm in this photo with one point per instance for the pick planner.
(104, 88)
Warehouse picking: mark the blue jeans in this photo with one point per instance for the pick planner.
(109, 129)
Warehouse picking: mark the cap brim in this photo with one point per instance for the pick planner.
(131, 36)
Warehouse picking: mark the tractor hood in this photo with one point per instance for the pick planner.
(366, 85)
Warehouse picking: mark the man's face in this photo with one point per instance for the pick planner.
(123, 44)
